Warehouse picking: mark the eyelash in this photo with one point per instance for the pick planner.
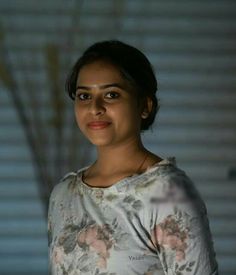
(79, 95)
(114, 93)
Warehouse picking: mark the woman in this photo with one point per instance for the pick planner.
(130, 212)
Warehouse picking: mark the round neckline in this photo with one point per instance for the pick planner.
(121, 182)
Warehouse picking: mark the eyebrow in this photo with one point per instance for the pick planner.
(105, 86)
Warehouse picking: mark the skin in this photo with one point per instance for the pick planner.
(104, 95)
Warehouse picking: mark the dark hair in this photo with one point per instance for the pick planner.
(133, 65)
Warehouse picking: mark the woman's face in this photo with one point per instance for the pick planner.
(106, 106)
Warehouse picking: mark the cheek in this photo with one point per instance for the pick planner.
(78, 115)
(132, 111)
(128, 114)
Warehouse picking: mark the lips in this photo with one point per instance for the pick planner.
(97, 125)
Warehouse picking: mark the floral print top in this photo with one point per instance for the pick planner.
(152, 223)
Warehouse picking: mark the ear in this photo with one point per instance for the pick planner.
(147, 108)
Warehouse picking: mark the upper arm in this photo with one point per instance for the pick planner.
(181, 231)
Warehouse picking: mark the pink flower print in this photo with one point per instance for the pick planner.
(158, 234)
(168, 234)
(102, 263)
(81, 237)
(171, 241)
(98, 240)
(91, 235)
(88, 236)
(100, 247)
(57, 255)
(179, 255)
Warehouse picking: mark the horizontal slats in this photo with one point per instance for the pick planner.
(23, 227)
(200, 57)
(144, 25)
(222, 208)
(227, 265)
(20, 190)
(214, 46)
(23, 208)
(34, 61)
(30, 246)
(199, 172)
(157, 8)
(196, 153)
(218, 190)
(178, 25)
(182, 7)
(28, 4)
(190, 135)
(191, 45)
(218, 227)
(226, 245)
(24, 265)
(132, 6)
(20, 169)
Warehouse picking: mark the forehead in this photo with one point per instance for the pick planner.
(99, 72)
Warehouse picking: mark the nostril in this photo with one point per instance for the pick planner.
(97, 108)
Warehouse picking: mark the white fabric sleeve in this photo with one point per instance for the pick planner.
(181, 232)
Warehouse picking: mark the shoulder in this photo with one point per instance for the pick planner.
(165, 174)
(171, 185)
(168, 170)
(169, 176)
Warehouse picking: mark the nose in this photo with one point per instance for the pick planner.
(97, 107)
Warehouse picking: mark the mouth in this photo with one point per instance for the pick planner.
(98, 125)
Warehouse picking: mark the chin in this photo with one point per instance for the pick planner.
(100, 142)
(97, 139)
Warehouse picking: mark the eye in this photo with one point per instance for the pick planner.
(83, 96)
(112, 95)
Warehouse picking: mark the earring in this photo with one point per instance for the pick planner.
(144, 115)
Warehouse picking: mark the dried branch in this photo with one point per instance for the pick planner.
(57, 103)
(6, 76)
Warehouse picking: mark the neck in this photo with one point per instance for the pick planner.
(119, 162)
(111, 159)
